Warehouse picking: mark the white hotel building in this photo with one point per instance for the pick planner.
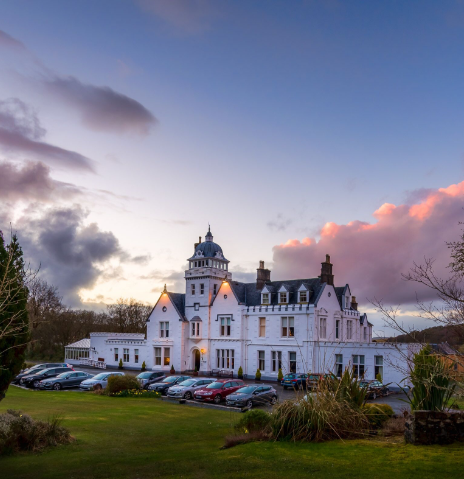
(302, 325)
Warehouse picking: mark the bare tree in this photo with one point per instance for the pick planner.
(128, 315)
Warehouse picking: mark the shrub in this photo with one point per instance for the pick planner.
(144, 366)
(346, 388)
(19, 432)
(321, 416)
(253, 421)
(137, 393)
(240, 372)
(120, 366)
(378, 377)
(377, 414)
(258, 375)
(173, 371)
(117, 384)
(280, 375)
(431, 380)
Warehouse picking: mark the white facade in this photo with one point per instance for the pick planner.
(306, 325)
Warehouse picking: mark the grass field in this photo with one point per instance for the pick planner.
(140, 438)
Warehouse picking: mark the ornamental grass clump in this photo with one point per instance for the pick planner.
(328, 413)
(116, 384)
(378, 414)
(19, 432)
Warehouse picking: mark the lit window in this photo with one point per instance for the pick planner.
(262, 327)
(167, 356)
(265, 299)
(288, 327)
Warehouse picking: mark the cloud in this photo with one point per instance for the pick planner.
(372, 257)
(72, 254)
(101, 108)
(8, 41)
(32, 182)
(280, 223)
(186, 16)
(21, 134)
(141, 259)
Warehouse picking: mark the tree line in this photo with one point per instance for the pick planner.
(53, 325)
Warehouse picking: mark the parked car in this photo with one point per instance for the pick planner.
(219, 390)
(37, 368)
(374, 388)
(33, 380)
(163, 385)
(252, 395)
(149, 377)
(294, 380)
(65, 380)
(186, 389)
(100, 381)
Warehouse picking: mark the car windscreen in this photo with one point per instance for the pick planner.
(45, 371)
(63, 375)
(189, 382)
(169, 380)
(215, 385)
(363, 384)
(290, 376)
(101, 376)
(144, 375)
(246, 390)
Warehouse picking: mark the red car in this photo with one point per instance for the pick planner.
(219, 390)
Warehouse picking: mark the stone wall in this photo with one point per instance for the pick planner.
(433, 427)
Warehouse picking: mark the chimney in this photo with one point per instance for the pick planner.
(326, 271)
(263, 276)
(196, 244)
(354, 304)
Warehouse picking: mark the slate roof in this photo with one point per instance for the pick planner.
(444, 348)
(248, 294)
(178, 300)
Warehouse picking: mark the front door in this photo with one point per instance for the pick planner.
(197, 359)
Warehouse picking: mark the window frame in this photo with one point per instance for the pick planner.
(136, 356)
(225, 325)
(158, 359)
(265, 296)
(164, 329)
(289, 328)
(323, 328)
(349, 329)
(337, 329)
(262, 327)
(276, 361)
(126, 355)
(202, 289)
(290, 361)
(378, 368)
(192, 289)
(262, 360)
(339, 365)
(300, 293)
(167, 356)
(285, 293)
(116, 354)
(359, 365)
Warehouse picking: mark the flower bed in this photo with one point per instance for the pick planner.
(135, 393)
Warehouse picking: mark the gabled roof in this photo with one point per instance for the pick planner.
(82, 343)
(177, 299)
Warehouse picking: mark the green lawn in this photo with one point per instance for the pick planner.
(140, 438)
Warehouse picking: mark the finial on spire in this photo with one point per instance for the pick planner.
(209, 236)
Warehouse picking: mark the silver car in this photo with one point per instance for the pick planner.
(100, 381)
(185, 389)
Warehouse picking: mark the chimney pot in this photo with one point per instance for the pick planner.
(326, 271)
(263, 276)
(354, 304)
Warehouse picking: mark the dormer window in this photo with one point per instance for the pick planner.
(265, 298)
(283, 297)
(303, 297)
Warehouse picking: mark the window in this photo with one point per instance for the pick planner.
(262, 327)
(349, 329)
(167, 356)
(225, 358)
(116, 354)
(276, 360)
(261, 361)
(164, 329)
(196, 306)
(339, 365)
(337, 329)
(365, 334)
(288, 327)
(292, 361)
(202, 289)
(126, 355)
(358, 365)
(323, 328)
(303, 296)
(196, 329)
(136, 356)
(225, 325)
(157, 356)
(192, 287)
(378, 369)
(215, 289)
(282, 297)
(265, 298)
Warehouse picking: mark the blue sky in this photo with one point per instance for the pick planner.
(273, 118)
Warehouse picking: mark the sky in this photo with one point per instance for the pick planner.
(295, 129)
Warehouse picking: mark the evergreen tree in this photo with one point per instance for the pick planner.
(14, 323)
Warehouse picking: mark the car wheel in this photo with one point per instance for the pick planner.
(97, 387)
(35, 384)
(249, 404)
(57, 386)
(188, 395)
(217, 398)
(273, 400)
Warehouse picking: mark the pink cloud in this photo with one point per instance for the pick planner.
(372, 256)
